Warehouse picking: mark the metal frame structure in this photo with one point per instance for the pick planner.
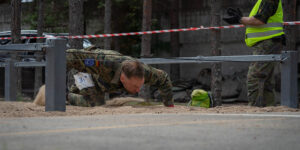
(55, 71)
(288, 60)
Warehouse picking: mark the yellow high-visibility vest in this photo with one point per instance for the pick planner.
(273, 28)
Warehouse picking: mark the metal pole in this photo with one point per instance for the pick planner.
(289, 81)
(10, 80)
(56, 75)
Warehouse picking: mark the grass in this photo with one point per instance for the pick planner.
(22, 98)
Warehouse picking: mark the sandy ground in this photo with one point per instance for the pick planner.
(28, 109)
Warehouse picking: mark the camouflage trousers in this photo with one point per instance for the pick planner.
(260, 78)
(87, 97)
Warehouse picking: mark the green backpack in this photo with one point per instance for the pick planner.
(201, 98)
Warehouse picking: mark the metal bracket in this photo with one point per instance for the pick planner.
(30, 64)
(2, 64)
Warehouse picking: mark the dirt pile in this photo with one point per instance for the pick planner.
(28, 109)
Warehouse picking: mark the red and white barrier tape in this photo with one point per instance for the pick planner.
(144, 32)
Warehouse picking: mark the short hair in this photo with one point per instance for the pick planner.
(133, 68)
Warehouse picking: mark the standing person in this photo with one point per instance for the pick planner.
(264, 33)
(92, 72)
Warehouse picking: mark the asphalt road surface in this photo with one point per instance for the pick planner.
(272, 131)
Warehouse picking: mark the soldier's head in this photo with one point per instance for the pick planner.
(132, 76)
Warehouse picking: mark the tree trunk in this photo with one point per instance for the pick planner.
(40, 24)
(216, 85)
(146, 39)
(38, 76)
(146, 43)
(175, 49)
(107, 24)
(290, 15)
(76, 24)
(16, 38)
(16, 21)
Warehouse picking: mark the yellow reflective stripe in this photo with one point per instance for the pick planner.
(263, 34)
(252, 41)
(273, 24)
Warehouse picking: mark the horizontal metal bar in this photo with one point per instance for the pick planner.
(2, 64)
(30, 64)
(243, 58)
(166, 61)
(30, 56)
(182, 60)
(23, 47)
(210, 59)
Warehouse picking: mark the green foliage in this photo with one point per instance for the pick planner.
(19, 97)
(28, 17)
(126, 17)
(22, 98)
(101, 4)
(31, 20)
(55, 15)
(158, 45)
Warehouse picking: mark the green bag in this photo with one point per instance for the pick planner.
(200, 98)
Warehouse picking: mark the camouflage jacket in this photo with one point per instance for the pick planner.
(105, 69)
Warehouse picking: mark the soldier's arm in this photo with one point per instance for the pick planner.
(251, 21)
(267, 9)
(160, 79)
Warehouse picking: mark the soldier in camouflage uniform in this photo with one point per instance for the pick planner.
(260, 75)
(264, 33)
(110, 71)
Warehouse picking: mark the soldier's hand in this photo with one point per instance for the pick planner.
(171, 106)
(233, 16)
(234, 12)
(169, 103)
(232, 20)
